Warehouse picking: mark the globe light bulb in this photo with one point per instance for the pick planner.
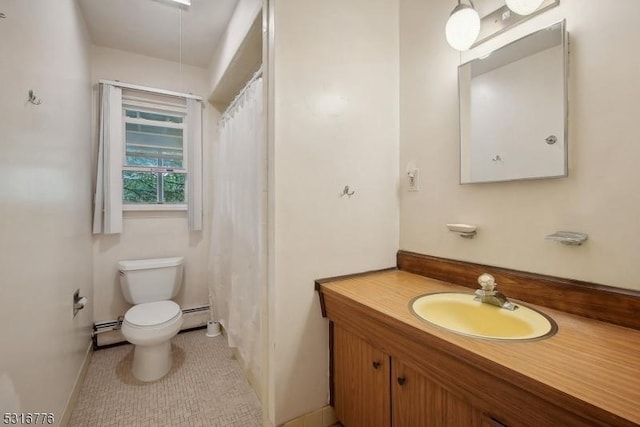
(523, 7)
(463, 27)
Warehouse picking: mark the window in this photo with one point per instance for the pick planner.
(154, 168)
(149, 154)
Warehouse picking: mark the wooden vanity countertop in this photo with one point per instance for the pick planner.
(594, 362)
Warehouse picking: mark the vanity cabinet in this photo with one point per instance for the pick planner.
(419, 401)
(360, 380)
(389, 369)
(374, 389)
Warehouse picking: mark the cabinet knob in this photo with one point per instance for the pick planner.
(376, 364)
(402, 380)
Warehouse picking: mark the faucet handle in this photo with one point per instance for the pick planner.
(487, 282)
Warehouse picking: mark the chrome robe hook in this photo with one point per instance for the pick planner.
(346, 191)
(33, 99)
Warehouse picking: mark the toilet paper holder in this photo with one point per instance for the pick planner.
(78, 302)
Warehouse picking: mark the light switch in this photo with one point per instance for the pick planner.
(413, 179)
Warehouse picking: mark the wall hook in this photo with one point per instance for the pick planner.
(33, 99)
(346, 192)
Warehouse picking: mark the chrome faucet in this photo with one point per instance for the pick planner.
(490, 295)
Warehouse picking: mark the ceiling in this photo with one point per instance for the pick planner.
(152, 27)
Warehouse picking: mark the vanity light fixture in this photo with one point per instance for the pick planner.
(463, 26)
(523, 7)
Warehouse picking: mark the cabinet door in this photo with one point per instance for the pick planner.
(419, 402)
(360, 381)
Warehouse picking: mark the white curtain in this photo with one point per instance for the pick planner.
(194, 167)
(107, 209)
(238, 232)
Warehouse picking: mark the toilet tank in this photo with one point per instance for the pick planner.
(149, 280)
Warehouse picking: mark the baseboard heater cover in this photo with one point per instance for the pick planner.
(114, 325)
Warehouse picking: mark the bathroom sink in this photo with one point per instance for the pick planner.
(458, 312)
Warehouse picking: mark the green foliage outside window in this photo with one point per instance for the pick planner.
(143, 187)
(174, 188)
(156, 143)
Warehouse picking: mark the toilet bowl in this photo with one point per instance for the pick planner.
(154, 319)
(150, 327)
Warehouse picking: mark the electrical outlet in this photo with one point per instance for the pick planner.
(413, 180)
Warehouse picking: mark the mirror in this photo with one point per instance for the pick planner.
(513, 110)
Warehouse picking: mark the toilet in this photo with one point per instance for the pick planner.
(154, 319)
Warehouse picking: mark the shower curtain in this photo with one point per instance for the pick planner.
(238, 233)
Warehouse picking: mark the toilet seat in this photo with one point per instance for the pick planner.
(152, 314)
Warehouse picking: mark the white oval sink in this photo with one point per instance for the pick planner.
(460, 313)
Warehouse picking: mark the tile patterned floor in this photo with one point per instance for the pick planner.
(205, 387)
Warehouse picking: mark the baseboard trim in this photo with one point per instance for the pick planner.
(73, 398)
(324, 417)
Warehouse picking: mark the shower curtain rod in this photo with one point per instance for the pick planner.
(237, 98)
(151, 90)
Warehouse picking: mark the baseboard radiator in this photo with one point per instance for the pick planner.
(107, 333)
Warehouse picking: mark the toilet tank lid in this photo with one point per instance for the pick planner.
(143, 264)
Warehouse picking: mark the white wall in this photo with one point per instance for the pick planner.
(243, 17)
(334, 69)
(600, 197)
(45, 194)
(152, 234)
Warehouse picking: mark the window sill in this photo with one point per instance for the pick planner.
(158, 207)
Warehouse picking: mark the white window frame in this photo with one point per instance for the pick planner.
(139, 104)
